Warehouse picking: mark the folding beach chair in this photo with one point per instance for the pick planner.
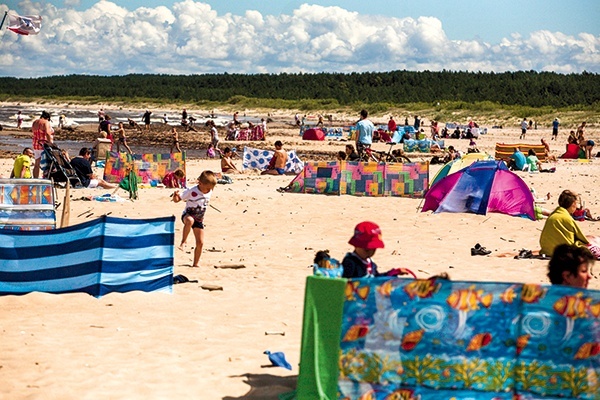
(57, 166)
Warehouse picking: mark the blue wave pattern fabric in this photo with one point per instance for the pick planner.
(97, 257)
(436, 339)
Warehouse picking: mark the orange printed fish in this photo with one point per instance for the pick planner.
(422, 288)
(401, 394)
(469, 299)
(576, 306)
(412, 339)
(370, 395)
(355, 332)
(386, 289)
(509, 294)
(478, 341)
(522, 342)
(353, 287)
(532, 293)
(587, 350)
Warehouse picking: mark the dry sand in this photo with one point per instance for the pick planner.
(209, 344)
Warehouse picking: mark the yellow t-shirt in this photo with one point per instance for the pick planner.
(22, 161)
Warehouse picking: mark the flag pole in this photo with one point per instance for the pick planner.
(3, 19)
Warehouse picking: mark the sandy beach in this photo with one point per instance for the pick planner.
(199, 344)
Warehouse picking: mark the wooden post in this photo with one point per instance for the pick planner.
(66, 212)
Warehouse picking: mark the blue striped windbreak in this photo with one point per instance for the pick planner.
(97, 257)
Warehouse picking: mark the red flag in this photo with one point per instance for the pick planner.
(26, 25)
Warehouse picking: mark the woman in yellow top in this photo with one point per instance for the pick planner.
(561, 228)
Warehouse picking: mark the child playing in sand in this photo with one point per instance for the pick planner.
(210, 151)
(122, 139)
(227, 165)
(366, 241)
(175, 179)
(196, 202)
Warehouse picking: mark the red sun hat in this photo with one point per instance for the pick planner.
(367, 235)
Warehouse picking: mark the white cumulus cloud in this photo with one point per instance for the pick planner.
(191, 37)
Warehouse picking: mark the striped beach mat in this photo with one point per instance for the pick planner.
(97, 257)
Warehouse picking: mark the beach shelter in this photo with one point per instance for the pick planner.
(458, 164)
(482, 187)
(313, 134)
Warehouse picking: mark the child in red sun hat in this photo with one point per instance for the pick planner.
(366, 241)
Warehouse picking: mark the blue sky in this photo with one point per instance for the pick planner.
(251, 36)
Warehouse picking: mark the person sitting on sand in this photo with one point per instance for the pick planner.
(22, 165)
(366, 240)
(550, 157)
(561, 228)
(585, 145)
(533, 163)
(572, 148)
(277, 164)
(341, 156)
(583, 214)
(84, 171)
(227, 165)
(196, 202)
(351, 154)
(571, 265)
(175, 179)
(517, 160)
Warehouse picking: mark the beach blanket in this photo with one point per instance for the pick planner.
(27, 204)
(387, 338)
(362, 179)
(504, 151)
(148, 167)
(97, 257)
(259, 159)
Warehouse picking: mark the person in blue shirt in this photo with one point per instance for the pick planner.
(365, 130)
(555, 125)
(517, 160)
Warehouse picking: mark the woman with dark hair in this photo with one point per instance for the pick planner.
(571, 265)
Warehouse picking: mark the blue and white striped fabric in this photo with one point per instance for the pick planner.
(97, 257)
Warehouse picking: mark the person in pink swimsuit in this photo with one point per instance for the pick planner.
(42, 133)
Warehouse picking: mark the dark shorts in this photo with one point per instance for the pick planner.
(591, 143)
(196, 224)
(555, 132)
(523, 131)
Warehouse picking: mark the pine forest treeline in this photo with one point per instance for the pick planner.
(526, 88)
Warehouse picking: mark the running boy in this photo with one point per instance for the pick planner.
(196, 202)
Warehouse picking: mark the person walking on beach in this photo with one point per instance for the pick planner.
(524, 126)
(214, 134)
(175, 145)
(555, 125)
(19, 119)
(365, 128)
(146, 119)
(196, 202)
(122, 139)
(42, 133)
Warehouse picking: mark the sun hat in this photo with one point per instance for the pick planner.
(367, 235)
